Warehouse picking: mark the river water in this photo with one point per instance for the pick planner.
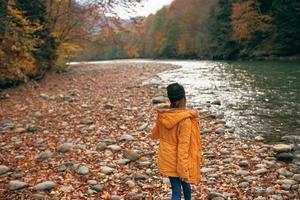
(257, 97)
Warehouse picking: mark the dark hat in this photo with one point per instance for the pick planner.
(175, 92)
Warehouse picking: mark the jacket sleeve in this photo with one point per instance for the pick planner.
(184, 139)
(155, 133)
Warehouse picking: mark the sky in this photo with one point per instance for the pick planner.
(150, 6)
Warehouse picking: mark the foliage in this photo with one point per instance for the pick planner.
(209, 29)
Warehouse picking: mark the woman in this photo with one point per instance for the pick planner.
(179, 155)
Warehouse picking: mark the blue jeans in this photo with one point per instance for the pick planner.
(176, 184)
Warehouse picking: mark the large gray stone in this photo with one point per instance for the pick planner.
(47, 185)
(279, 148)
(82, 170)
(107, 170)
(4, 169)
(17, 185)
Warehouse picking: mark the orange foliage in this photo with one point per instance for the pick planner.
(247, 19)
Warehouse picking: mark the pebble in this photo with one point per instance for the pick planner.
(242, 173)
(92, 182)
(279, 148)
(205, 170)
(101, 146)
(17, 185)
(216, 102)
(285, 172)
(296, 177)
(107, 170)
(244, 184)
(126, 137)
(66, 147)
(114, 147)
(47, 185)
(131, 155)
(285, 157)
(20, 130)
(87, 121)
(220, 130)
(260, 171)
(82, 170)
(115, 197)
(130, 183)
(97, 188)
(244, 164)
(143, 126)
(4, 169)
(270, 190)
(123, 161)
(259, 138)
(44, 155)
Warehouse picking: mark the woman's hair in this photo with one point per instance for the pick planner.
(175, 92)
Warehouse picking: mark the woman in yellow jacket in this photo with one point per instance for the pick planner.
(179, 155)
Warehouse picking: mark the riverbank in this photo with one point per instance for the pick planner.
(85, 134)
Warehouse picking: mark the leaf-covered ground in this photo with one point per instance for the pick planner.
(87, 131)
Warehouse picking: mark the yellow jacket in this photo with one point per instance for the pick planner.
(180, 144)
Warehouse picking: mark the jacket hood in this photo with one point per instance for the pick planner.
(169, 117)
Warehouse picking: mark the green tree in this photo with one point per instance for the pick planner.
(286, 14)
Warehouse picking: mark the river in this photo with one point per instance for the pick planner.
(257, 97)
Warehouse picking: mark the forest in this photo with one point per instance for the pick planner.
(37, 36)
(206, 29)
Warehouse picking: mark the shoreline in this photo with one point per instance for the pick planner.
(93, 127)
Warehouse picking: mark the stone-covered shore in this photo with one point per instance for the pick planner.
(84, 134)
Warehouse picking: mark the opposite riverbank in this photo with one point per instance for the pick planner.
(84, 134)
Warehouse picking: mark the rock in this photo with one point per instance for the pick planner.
(4, 169)
(270, 190)
(276, 197)
(66, 147)
(110, 141)
(17, 185)
(218, 198)
(126, 137)
(291, 138)
(62, 168)
(279, 148)
(285, 172)
(109, 106)
(206, 130)
(244, 164)
(244, 184)
(87, 121)
(44, 155)
(131, 155)
(287, 181)
(20, 130)
(123, 161)
(220, 130)
(115, 197)
(215, 194)
(144, 163)
(260, 171)
(205, 170)
(92, 182)
(285, 187)
(7, 124)
(296, 177)
(143, 126)
(216, 102)
(130, 183)
(101, 146)
(259, 138)
(285, 157)
(114, 147)
(82, 170)
(140, 176)
(97, 188)
(39, 141)
(227, 160)
(47, 185)
(107, 170)
(259, 191)
(242, 173)
(91, 192)
(159, 99)
(32, 128)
